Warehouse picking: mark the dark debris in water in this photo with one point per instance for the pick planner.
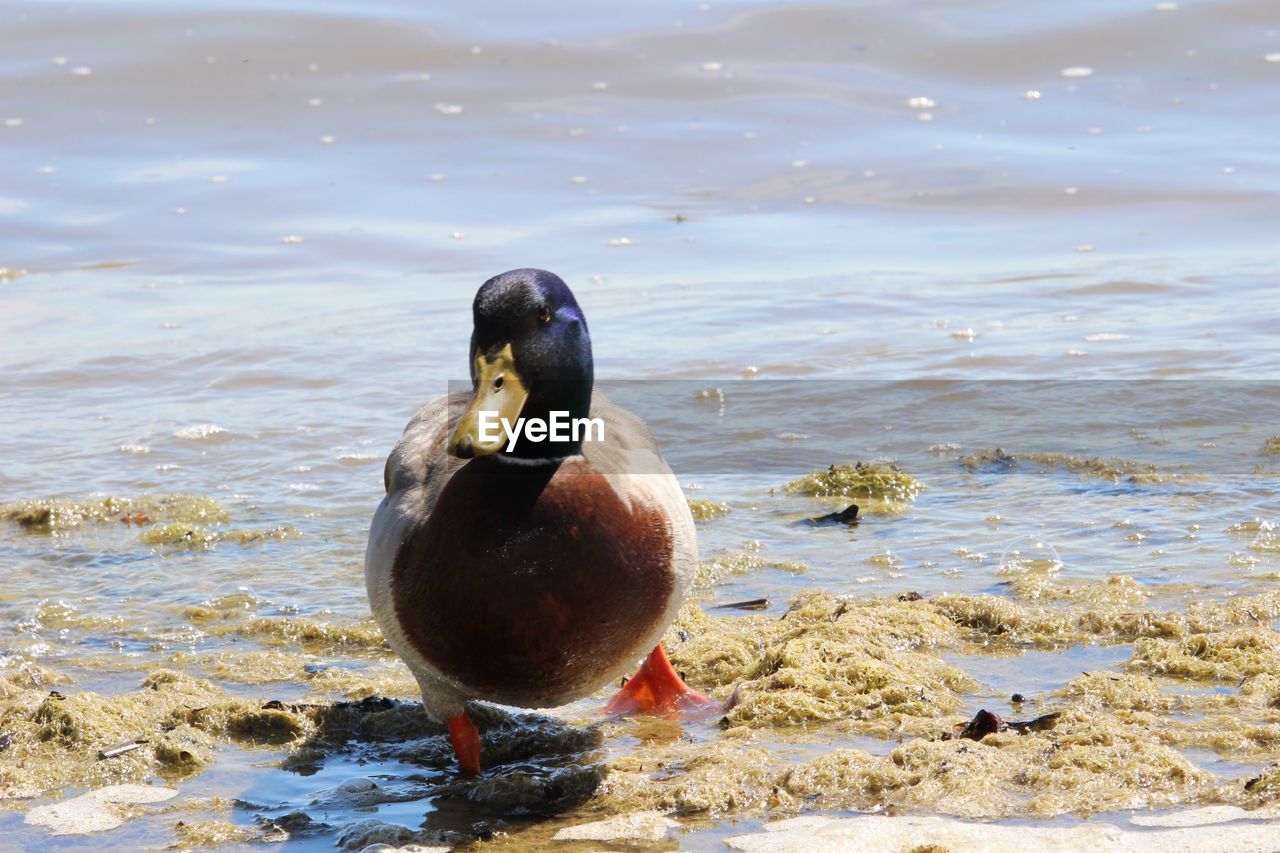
(749, 604)
(987, 723)
(847, 516)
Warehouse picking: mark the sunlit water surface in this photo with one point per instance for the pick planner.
(240, 243)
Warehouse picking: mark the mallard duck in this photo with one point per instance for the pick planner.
(530, 573)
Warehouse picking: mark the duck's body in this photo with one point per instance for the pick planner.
(535, 577)
(527, 585)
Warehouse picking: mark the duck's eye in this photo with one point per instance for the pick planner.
(544, 315)
(497, 384)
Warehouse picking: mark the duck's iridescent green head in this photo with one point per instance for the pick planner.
(530, 357)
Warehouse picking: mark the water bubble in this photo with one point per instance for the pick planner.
(1031, 95)
(711, 67)
(449, 109)
(921, 103)
(621, 241)
(1029, 554)
(1077, 71)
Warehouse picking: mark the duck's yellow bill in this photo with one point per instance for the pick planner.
(499, 396)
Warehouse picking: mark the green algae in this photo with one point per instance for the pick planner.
(703, 509)
(742, 562)
(213, 833)
(196, 537)
(825, 659)
(1091, 761)
(49, 515)
(322, 676)
(183, 750)
(1120, 590)
(731, 776)
(56, 739)
(829, 666)
(224, 607)
(311, 635)
(882, 482)
(1215, 656)
(254, 537)
(56, 615)
(174, 521)
(179, 535)
(1110, 468)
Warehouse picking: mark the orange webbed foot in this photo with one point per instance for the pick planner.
(466, 743)
(658, 690)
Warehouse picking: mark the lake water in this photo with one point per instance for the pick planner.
(240, 242)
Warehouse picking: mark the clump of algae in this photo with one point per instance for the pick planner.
(212, 833)
(56, 739)
(1120, 590)
(706, 510)
(51, 515)
(224, 607)
(321, 676)
(308, 634)
(197, 537)
(179, 535)
(183, 750)
(1110, 468)
(871, 667)
(825, 659)
(743, 562)
(1216, 656)
(1271, 447)
(881, 482)
(726, 777)
(1091, 761)
(1096, 614)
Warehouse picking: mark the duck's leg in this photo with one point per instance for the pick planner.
(658, 689)
(466, 743)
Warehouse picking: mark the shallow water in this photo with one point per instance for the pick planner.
(240, 244)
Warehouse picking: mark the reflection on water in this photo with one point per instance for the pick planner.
(241, 242)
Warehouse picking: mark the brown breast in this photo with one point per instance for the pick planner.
(532, 581)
